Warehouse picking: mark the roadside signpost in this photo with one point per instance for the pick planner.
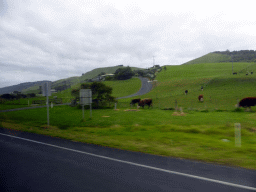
(47, 92)
(86, 99)
(238, 134)
(46, 89)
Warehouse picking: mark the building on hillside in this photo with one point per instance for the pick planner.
(16, 92)
(107, 75)
(53, 91)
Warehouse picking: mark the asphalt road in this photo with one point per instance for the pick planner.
(31, 162)
(145, 88)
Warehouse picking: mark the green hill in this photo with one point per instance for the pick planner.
(221, 90)
(73, 81)
(226, 56)
(119, 88)
(210, 58)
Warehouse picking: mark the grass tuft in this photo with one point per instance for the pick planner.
(238, 110)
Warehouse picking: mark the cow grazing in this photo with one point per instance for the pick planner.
(235, 73)
(144, 102)
(201, 98)
(134, 101)
(186, 92)
(247, 102)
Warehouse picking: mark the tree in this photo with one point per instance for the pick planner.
(75, 93)
(102, 73)
(7, 96)
(123, 73)
(31, 95)
(101, 94)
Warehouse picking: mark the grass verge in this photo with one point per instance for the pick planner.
(194, 135)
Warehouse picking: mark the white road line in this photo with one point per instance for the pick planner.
(140, 165)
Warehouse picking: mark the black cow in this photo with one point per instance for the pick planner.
(247, 102)
(144, 102)
(235, 73)
(186, 92)
(134, 101)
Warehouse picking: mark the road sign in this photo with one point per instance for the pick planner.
(86, 99)
(85, 96)
(46, 89)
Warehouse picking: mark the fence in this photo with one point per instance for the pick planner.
(55, 101)
(39, 102)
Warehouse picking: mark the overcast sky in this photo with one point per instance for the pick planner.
(56, 39)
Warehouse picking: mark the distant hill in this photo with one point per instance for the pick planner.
(226, 56)
(240, 56)
(210, 58)
(96, 72)
(21, 86)
(61, 84)
(89, 75)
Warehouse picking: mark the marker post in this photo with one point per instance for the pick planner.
(47, 93)
(237, 134)
(48, 117)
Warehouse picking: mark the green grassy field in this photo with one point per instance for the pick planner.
(20, 103)
(196, 133)
(221, 90)
(119, 88)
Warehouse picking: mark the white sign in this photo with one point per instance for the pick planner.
(85, 96)
(46, 89)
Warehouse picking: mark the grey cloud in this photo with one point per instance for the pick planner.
(59, 39)
(3, 7)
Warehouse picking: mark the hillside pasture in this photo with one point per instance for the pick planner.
(222, 89)
(119, 88)
(201, 131)
(210, 58)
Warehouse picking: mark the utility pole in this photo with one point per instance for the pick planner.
(153, 61)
